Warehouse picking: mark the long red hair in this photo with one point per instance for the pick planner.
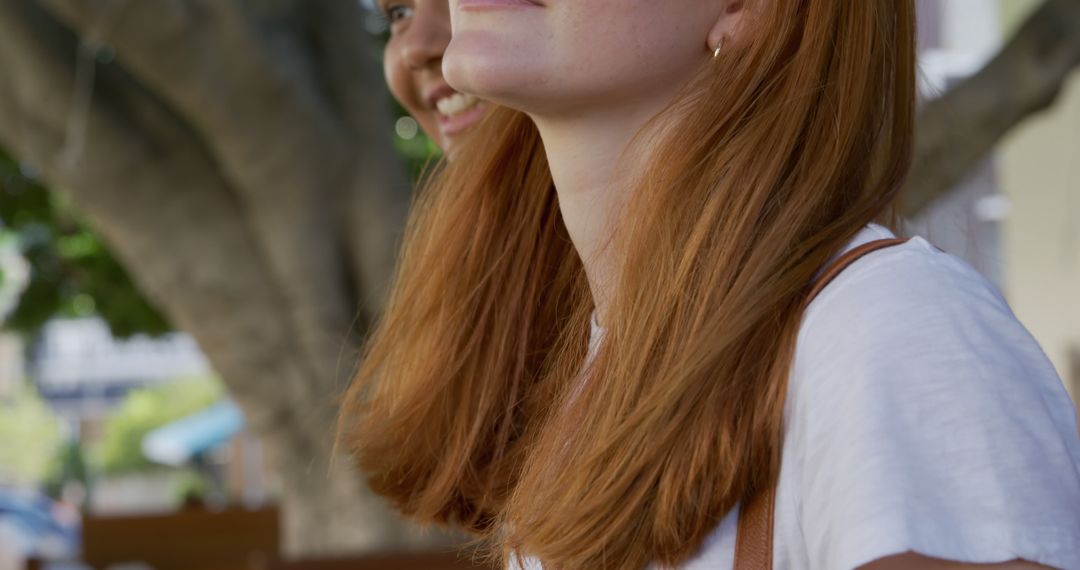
(777, 154)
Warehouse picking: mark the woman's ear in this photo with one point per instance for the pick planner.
(728, 26)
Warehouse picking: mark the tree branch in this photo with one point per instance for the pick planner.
(956, 131)
(144, 180)
(276, 139)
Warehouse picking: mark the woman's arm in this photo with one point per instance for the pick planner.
(913, 561)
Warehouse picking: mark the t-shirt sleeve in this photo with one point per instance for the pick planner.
(928, 419)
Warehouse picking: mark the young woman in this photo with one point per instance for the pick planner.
(608, 336)
(412, 61)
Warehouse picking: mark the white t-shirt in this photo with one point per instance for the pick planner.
(921, 415)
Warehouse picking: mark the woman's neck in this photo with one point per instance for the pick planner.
(593, 178)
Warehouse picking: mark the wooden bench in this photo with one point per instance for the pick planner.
(231, 539)
(387, 561)
(194, 538)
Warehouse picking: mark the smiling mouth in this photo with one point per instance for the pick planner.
(456, 104)
(466, 4)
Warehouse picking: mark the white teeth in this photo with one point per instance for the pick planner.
(456, 104)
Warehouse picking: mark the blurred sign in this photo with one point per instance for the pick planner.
(82, 371)
(176, 443)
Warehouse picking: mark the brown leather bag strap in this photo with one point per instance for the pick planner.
(754, 541)
(847, 259)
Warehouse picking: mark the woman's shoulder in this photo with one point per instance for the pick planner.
(912, 328)
(912, 292)
(922, 415)
(911, 275)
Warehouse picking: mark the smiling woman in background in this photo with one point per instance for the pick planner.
(419, 34)
(622, 334)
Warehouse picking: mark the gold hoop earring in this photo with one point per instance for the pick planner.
(719, 48)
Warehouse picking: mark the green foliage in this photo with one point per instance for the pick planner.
(67, 464)
(72, 273)
(29, 438)
(143, 410)
(191, 485)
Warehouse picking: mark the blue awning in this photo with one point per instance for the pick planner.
(176, 443)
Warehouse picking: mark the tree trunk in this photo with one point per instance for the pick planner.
(242, 170)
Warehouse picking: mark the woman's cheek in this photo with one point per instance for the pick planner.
(395, 79)
(400, 81)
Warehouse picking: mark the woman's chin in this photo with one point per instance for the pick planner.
(499, 78)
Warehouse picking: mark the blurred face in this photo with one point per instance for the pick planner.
(565, 57)
(419, 34)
